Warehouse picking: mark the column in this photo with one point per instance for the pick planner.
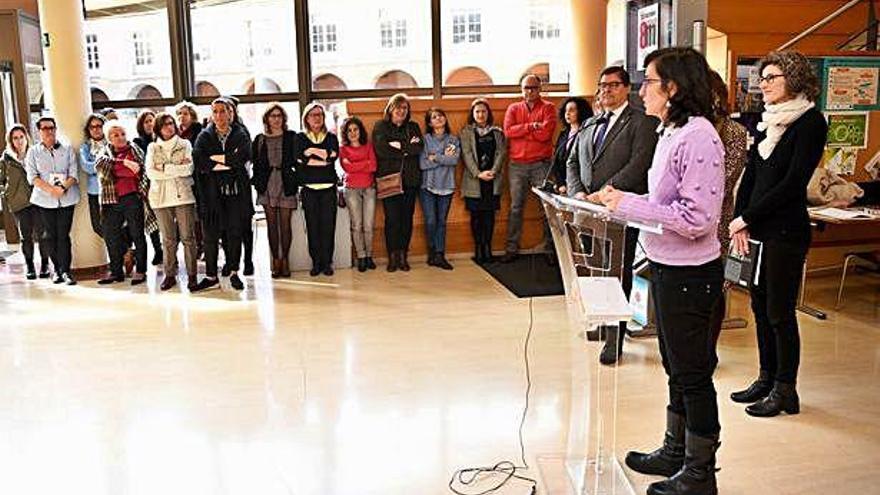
(588, 21)
(68, 99)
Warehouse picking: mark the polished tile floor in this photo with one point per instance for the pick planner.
(378, 383)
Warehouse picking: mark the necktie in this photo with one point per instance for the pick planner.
(602, 130)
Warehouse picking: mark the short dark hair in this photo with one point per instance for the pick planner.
(584, 111)
(362, 139)
(45, 118)
(619, 71)
(480, 101)
(428, 128)
(95, 116)
(159, 122)
(688, 69)
(140, 122)
(800, 76)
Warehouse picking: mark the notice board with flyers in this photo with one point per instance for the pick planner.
(850, 84)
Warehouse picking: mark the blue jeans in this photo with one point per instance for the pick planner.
(435, 207)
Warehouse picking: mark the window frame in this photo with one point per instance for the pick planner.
(182, 63)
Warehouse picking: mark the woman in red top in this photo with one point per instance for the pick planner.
(120, 169)
(359, 163)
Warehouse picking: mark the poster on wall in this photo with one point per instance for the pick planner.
(849, 87)
(648, 32)
(847, 130)
(841, 161)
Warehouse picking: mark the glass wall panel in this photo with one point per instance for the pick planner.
(367, 45)
(498, 41)
(128, 49)
(244, 47)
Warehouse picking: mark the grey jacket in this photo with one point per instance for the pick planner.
(623, 160)
(470, 184)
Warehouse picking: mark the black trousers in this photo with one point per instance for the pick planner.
(95, 214)
(56, 235)
(687, 301)
(482, 227)
(774, 303)
(123, 223)
(30, 228)
(399, 211)
(319, 207)
(229, 229)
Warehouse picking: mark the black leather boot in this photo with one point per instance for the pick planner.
(783, 397)
(697, 475)
(613, 348)
(759, 389)
(669, 458)
(393, 261)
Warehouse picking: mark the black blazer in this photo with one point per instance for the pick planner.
(262, 168)
(772, 197)
(406, 159)
(237, 153)
(306, 174)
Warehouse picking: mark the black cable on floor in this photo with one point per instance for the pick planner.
(506, 469)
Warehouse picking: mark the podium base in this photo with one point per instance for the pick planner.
(561, 475)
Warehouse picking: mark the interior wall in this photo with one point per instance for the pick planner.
(458, 237)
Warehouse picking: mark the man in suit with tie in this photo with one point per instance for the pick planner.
(614, 148)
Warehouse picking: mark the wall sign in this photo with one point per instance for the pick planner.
(648, 32)
(847, 130)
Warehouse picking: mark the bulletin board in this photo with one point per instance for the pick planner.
(850, 84)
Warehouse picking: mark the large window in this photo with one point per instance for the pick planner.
(92, 54)
(386, 44)
(502, 40)
(244, 46)
(134, 35)
(467, 27)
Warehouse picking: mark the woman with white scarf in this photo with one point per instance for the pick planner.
(771, 207)
(169, 167)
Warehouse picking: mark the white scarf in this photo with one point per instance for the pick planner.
(167, 146)
(776, 119)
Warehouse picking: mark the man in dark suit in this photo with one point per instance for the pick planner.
(614, 148)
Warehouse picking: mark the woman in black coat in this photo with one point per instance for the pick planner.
(573, 112)
(220, 155)
(274, 158)
(771, 207)
(398, 143)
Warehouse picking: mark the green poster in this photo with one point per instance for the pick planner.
(848, 130)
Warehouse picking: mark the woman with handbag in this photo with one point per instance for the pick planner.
(274, 179)
(771, 206)
(398, 143)
(484, 153)
(124, 187)
(358, 160)
(316, 153)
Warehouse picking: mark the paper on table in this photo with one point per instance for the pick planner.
(844, 214)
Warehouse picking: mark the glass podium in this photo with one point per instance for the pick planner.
(590, 243)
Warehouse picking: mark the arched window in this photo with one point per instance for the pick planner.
(204, 88)
(541, 69)
(468, 76)
(98, 94)
(395, 79)
(328, 82)
(144, 92)
(261, 85)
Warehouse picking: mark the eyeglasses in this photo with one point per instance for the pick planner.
(610, 85)
(769, 78)
(95, 126)
(48, 128)
(276, 115)
(650, 80)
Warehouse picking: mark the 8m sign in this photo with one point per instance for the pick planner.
(648, 32)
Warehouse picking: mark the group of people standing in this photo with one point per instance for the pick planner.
(677, 164)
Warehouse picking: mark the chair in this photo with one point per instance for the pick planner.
(867, 258)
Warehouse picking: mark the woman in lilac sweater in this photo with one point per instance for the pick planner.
(685, 192)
